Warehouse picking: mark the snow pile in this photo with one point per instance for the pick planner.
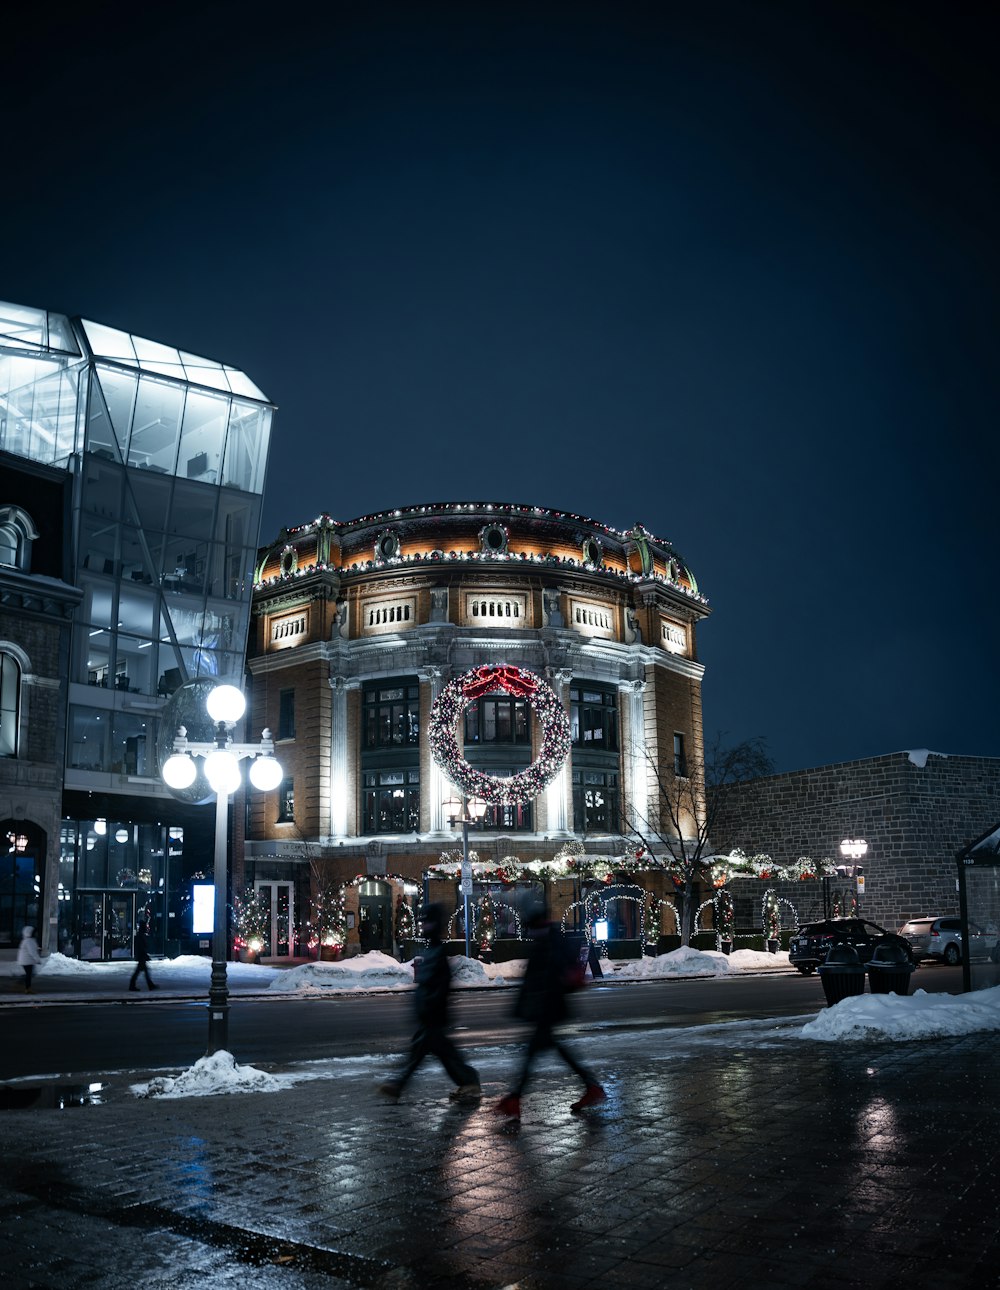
(371, 971)
(917, 1016)
(211, 1076)
(690, 962)
(473, 972)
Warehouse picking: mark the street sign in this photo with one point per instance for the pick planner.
(465, 887)
(861, 884)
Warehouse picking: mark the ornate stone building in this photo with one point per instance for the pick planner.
(357, 627)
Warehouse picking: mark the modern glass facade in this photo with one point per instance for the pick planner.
(168, 453)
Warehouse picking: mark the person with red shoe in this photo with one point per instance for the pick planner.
(542, 1001)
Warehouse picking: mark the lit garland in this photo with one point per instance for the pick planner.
(442, 734)
(739, 865)
(771, 915)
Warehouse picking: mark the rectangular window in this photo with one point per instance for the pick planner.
(286, 714)
(391, 801)
(680, 761)
(497, 720)
(286, 801)
(595, 801)
(392, 716)
(594, 718)
(10, 691)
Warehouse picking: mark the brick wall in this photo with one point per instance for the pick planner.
(914, 817)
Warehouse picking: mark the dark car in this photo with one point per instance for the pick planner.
(811, 943)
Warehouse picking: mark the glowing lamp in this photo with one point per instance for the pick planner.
(226, 703)
(222, 770)
(179, 771)
(265, 773)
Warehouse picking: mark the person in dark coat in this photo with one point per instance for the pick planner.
(542, 1001)
(141, 959)
(433, 979)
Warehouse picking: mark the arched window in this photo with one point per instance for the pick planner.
(10, 703)
(17, 532)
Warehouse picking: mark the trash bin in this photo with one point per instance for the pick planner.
(890, 969)
(843, 974)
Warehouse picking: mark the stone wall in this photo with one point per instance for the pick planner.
(915, 810)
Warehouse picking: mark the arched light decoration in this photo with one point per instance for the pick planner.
(222, 770)
(226, 703)
(265, 773)
(179, 771)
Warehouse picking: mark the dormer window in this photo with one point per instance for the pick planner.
(17, 532)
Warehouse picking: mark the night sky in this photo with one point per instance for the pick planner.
(726, 269)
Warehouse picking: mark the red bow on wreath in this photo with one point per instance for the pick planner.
(510, 679)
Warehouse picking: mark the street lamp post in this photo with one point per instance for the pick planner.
(855, 850)
(222, 757)
(468, 810)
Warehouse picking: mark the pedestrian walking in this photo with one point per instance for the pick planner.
(433, 979)
(549, 975)
(28, 955)
(142, 959)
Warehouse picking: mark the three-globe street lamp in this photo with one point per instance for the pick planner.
(222, 757)
(469, 810)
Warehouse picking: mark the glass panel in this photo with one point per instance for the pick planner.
(108, 342)
(119, 925)
(155, 357)
(118, 389)
(193, 511)
(147, 495)
(135, 665)
(22, 324)
(102, 491)
(155, 426)
(246, 447)
(141, 558)
(205, 418)
(91, 922)
(240, 383)
(205, 371)
(88, 738)
(282, 920)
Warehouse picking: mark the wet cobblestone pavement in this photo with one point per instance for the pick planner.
(760, 1160)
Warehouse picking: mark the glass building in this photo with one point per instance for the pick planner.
(167, 453)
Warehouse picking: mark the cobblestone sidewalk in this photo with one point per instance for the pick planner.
(762, 1161)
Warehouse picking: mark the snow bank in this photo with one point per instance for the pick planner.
(690, 962)
(210, 1077)
(917, 1016)
(371, 971)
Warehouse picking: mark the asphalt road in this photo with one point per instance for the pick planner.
(147, 1032)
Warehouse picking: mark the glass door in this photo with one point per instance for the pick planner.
(106, 923)
(280, 899)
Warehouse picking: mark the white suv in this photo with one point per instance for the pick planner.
(941, 938)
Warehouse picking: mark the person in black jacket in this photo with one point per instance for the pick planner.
(141, 959)
(542, 1001)
(433, 978)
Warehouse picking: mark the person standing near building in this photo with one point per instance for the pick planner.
(542, 1001)
(433, 979)
(28, 955)
(142, 959)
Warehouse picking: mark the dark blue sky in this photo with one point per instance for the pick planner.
(727, 269)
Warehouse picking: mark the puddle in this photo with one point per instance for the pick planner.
(31, 1097)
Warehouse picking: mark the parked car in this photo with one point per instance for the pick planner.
(811, 943)
(941, 939)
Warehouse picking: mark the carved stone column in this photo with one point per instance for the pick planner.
(636, 765)
(339, 755)
(438, 788)
(557, 795)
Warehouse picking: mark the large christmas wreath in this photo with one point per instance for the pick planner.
(443, 734)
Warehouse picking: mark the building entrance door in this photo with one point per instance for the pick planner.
(375, 916)
(106, 923)
(279, 897)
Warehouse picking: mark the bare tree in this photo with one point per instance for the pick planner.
(676, 827)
